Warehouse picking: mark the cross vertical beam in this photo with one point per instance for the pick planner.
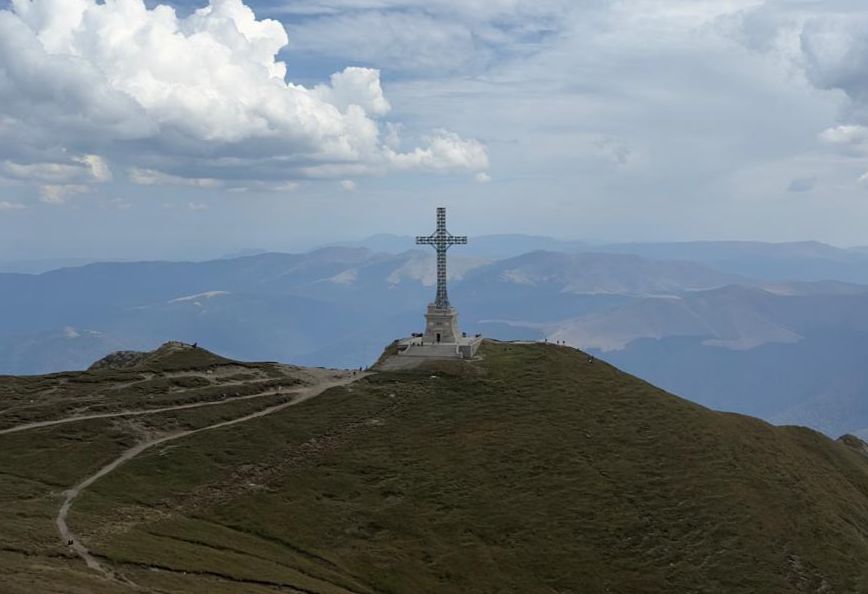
(441, 240)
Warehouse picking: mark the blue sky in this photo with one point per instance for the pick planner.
(140, 130)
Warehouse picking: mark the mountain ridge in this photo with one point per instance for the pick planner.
(536, 468)
(678, 324)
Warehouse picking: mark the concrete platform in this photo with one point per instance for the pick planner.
(464, 348)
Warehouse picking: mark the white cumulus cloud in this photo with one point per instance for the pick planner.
(59, 193)
(845, 135)
(199, 97)
(355, 86)
(150, 177)
(86, 168)
(445, 151)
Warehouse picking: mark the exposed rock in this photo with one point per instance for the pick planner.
(854, 443)
(128, 359)
(119, 360)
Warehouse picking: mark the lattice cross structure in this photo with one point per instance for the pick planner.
(442, 241)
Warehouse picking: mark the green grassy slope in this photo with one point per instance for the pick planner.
(37, 466)
(533, 470)
(168, 377)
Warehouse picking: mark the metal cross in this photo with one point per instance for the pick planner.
(441, 240)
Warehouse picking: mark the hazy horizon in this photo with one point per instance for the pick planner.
(197, 255)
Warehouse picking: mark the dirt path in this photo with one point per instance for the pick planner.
(136, 413)
(70, 495)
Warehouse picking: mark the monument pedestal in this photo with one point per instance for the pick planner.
(462, 348)
(442, 339)
(441, 325)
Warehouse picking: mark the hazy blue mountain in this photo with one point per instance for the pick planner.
(820, 381)
(807, 260)
(39, 265)
(789, 351)
(483, 246)
(790, 261)
(340, 304)
(269, 306)
(243, 253)
(734, 317)
(792, 356)
(597, 273)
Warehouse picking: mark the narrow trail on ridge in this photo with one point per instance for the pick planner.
(68, 536)
(137, 413)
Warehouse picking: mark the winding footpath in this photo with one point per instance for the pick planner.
(136, 413)
(300, 395)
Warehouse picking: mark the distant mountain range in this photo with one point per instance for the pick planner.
(805, 260)
(774, 330)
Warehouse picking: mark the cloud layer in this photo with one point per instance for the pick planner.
(436, 37)
(86, 88)
(618, 120)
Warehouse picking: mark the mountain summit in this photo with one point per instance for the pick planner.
(534, 469)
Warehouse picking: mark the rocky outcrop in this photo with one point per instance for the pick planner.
(128, 359)
(854, 443)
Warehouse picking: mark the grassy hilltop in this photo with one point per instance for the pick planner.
(532, 470)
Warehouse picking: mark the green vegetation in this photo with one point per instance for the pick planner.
(535, 469)
(168, 377)
(38, 465)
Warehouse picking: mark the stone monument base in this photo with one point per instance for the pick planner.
(441, 339)
(462, 348)
(441, 325)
